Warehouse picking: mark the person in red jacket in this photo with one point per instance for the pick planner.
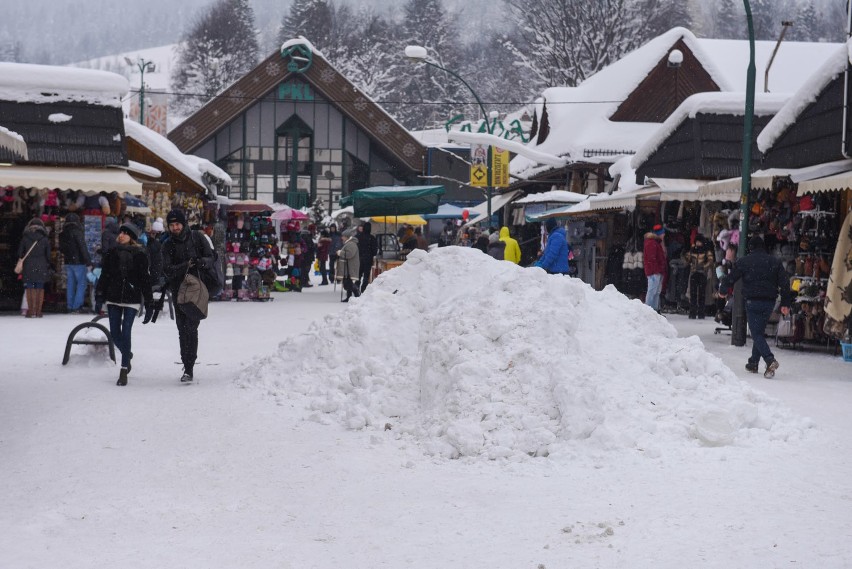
(655, 265)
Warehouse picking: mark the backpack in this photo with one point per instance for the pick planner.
(212, 276)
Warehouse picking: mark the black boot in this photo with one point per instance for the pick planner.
(122, 377)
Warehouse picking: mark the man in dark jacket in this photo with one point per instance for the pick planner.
(72, 245)
(764, 278)
(368, 248)
(183, 253)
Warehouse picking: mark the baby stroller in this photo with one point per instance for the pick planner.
(725, 315)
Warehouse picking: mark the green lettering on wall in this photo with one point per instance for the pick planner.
(293, 91)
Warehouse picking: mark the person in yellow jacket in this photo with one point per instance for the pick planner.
(513, 251)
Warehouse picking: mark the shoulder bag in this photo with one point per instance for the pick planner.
(19, 266)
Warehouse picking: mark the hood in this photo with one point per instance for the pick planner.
(36, 229)
(368, 227)
(504, 233)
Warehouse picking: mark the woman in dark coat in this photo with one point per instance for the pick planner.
(36, 266)
(124, 285)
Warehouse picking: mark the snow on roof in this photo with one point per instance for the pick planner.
(579, 116)
(435, 137)
(191, 166)
(558, 196)
(29, 83)
(707, 103)
(811, 88)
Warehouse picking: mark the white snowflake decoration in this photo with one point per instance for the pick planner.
(360, 103)
(190, 132)
(383, 127)
(237, 96)
(327, 76)
(273, 69)
(409, 150)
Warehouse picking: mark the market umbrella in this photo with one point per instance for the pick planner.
(133, 204)
(248, 206)
(394, 200)
(446, 211)
(287, 213)
(396, 219)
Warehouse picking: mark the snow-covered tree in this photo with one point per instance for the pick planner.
(313, 19)
(220, 48)
(729, 22)
(663, 15)
(318, 212)
(806, 26)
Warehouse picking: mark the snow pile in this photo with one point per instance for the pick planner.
(475, 357)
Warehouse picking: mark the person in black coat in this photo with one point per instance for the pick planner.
(764, 278)
(72, 245)
(36, 246)
(368, 248)
(124, 285)
(183, 253)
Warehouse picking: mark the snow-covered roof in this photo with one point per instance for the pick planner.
(707, 103)
(13, 141)
(579, 116)
(435, 137)
(556, 196)
(28, 83)
(814, 84)
(192, 167)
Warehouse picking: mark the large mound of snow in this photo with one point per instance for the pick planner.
(469, 356)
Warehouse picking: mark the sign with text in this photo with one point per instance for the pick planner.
(499, 167)
(479, 165)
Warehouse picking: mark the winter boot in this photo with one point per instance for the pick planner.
(39, 299)
(187, 375)
(31, 309)
(751, 367)
(122, 377)
(770, 369)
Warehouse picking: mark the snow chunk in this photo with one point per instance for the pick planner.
(473, 357)
(59, 117)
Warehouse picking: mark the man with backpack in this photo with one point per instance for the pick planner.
(186, 252)
(72, 245)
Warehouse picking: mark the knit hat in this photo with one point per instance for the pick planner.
(130, 230)
(158, 225)
(176, 216)
(550, 224)
(659, 230)
(755, 243)
(36, 221)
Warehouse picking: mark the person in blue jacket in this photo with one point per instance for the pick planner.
(554, 260)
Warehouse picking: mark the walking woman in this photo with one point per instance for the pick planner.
(35, 250)
(124, 285)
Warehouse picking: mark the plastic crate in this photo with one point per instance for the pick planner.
(847, 352)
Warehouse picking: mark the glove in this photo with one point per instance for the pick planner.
(149, 313)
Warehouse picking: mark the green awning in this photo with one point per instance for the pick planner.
(394, 200)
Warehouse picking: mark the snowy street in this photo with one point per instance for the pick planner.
(234, 472)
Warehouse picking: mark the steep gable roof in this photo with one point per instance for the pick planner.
(327, 81)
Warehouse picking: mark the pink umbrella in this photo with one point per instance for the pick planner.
(287, 213)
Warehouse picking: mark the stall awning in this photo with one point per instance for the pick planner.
(88, 180)
(728, 190)
(677, 189)
(828, 184)
(394, 200)
(480, 212)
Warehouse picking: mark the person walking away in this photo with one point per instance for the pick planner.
(496, 247)
(764, 279)
(655, 265)
(36, 247)
(554, 259)
(155, 254)
(368, 248)
(512, 252)
(336, 244)
(481, 242)
(72, 245)
(125, 285)
(308, 253)
(350, 261)
(700, 259)
(323, 246)
(422, 242)
(181, 253)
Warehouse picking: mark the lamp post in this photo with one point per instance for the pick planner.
(738, 318)
(142, 65)
(419, 54)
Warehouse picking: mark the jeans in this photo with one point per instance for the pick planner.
(652, 297)
(120, 326)
(757, 314)
(188, 337)
(75, 293)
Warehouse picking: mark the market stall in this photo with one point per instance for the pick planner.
(251, 250)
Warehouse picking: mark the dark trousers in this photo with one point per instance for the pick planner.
(323, 271)
(120, 327)
(332, 266)
(188, 335)
(697, 294)
(757, 314)
(351, 288)
(364, 274)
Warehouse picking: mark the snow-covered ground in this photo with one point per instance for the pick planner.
(462, 413)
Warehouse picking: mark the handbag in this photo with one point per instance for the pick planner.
(19, 266)
(785, 327)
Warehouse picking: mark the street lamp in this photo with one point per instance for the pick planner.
(142, 65)
(419, 54)
(738, 317)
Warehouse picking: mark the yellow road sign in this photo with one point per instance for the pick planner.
(499, 167)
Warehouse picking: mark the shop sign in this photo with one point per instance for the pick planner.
(499, 167)
(295, 91)
(479, 165)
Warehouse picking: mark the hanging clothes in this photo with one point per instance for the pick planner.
(838, 298)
